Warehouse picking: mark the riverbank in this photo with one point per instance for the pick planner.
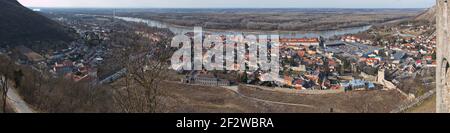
(177, 29)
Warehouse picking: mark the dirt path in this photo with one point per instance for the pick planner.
(236, 90)
(17, 103)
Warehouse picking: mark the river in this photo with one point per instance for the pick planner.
(297, 34)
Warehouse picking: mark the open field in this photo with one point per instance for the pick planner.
(273, 19)
(194, 99)
(428, 106)
(354, 101)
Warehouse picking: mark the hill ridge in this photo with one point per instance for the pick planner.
(22, 26)
(429, 14)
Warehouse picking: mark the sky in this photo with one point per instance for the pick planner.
(231, 3)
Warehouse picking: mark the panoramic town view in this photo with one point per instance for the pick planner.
(154, 57)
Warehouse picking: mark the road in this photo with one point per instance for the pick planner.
(16, 102)
(114, 76)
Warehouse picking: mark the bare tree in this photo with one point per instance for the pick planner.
(4, 91)
(6, 67)
(146, 66)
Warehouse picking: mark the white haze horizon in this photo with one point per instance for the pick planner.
(354, 4)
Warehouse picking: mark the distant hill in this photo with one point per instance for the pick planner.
(429, 14)
(22, 26)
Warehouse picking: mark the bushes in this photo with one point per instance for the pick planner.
(48, 94)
